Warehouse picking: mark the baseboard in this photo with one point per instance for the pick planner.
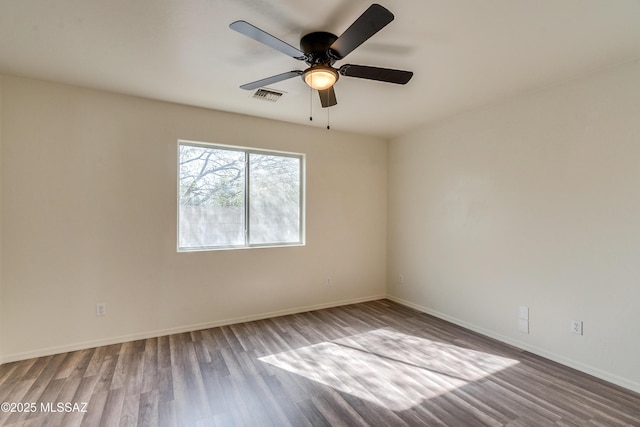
(587, 369)
(188, 328)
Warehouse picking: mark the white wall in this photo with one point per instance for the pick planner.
(532, 202)
(89, 215)
(1, 296)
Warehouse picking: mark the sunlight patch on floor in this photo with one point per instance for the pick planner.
(390, 368)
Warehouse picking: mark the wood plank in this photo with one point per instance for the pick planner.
(112, 408)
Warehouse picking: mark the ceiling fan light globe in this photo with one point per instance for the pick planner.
(320, 78)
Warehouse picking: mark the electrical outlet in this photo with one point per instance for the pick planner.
(400, 279)
(101, 309)
(523, 319)
(576, 327)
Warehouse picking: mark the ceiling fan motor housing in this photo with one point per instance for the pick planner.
(316, 48)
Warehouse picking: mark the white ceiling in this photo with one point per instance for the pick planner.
(464, 53)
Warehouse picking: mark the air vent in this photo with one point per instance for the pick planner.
(267, 95)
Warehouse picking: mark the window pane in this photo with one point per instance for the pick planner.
(212, 183)
(274, 199)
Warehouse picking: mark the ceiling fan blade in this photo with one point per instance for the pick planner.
(328, 97)
(374, 73)
(370, 22)
(270, 80)
(251, 31)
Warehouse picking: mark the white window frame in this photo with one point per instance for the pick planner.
(247, 183)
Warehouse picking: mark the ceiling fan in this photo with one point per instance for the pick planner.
(320, 50)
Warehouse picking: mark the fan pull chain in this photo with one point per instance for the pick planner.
(328, 123)
(310, 103)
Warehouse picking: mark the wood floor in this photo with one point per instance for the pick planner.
(370, 364)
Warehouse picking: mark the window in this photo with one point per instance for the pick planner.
(231, 197)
